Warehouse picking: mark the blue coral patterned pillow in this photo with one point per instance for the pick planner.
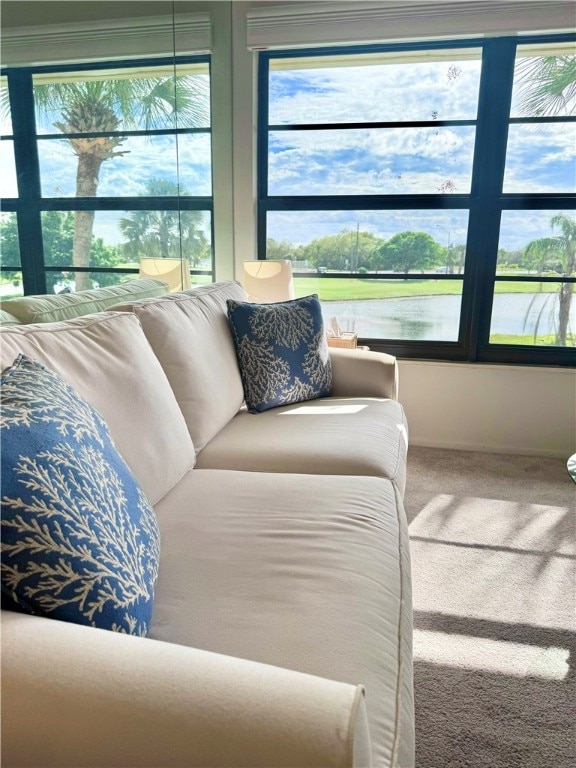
(282, 351)
(80, 541)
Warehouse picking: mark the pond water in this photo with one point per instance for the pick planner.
(436, 318)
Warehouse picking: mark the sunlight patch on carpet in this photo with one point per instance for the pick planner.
(488, 521)
(497, 656)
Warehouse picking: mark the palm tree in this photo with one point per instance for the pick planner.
(558, 253)
(110, 105)
(160, 233)
(546, 85)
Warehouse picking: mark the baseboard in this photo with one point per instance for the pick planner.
(514, 450)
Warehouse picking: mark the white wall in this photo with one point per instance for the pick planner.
(514, 409)
(481, 407)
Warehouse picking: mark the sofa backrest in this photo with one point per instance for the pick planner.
(107, 359)
(190, 335)
(51, 308)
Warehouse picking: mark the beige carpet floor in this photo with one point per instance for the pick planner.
(493, 561)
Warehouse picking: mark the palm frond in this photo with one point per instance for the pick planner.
(154, 102)
(4, 102)
(52, 97)
(528, 311)
(566, 224)
(546, 85)
(548, 303)
(541, 252)
(185, 100)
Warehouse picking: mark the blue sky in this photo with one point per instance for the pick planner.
(412, 160)
(372, 161)
(367, 161)
(127, 175)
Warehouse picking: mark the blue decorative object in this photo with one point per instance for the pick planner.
(282, 351)
(80, 542)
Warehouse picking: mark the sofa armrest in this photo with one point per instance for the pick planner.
(74, 696)
(361, 373)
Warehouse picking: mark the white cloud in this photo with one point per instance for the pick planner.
(518, 228)
(441, 142)
(540, 158)
(127, 175)
(371, 162)
(387, 92)
(342, 181)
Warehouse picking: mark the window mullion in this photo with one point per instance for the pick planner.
(22, 110)
(487, 179)
(262, 155)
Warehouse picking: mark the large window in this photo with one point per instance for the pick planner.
(102, 166)
(426, 192)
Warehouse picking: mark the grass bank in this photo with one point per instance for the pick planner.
(347, 289)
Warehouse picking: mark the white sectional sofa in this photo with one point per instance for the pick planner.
(281, 632)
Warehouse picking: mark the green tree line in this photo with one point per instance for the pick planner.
(58, 240)
(362, 251)
(151, 233)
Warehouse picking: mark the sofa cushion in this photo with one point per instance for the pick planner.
(51, 308)
(282, 351)
(332, 436)
(190, 335)
(7, 319)
(305, 572)
(108, 361)
(80, 541)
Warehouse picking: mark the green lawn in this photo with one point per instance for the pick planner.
(550, 340)
(340, 289)
(347, 289)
